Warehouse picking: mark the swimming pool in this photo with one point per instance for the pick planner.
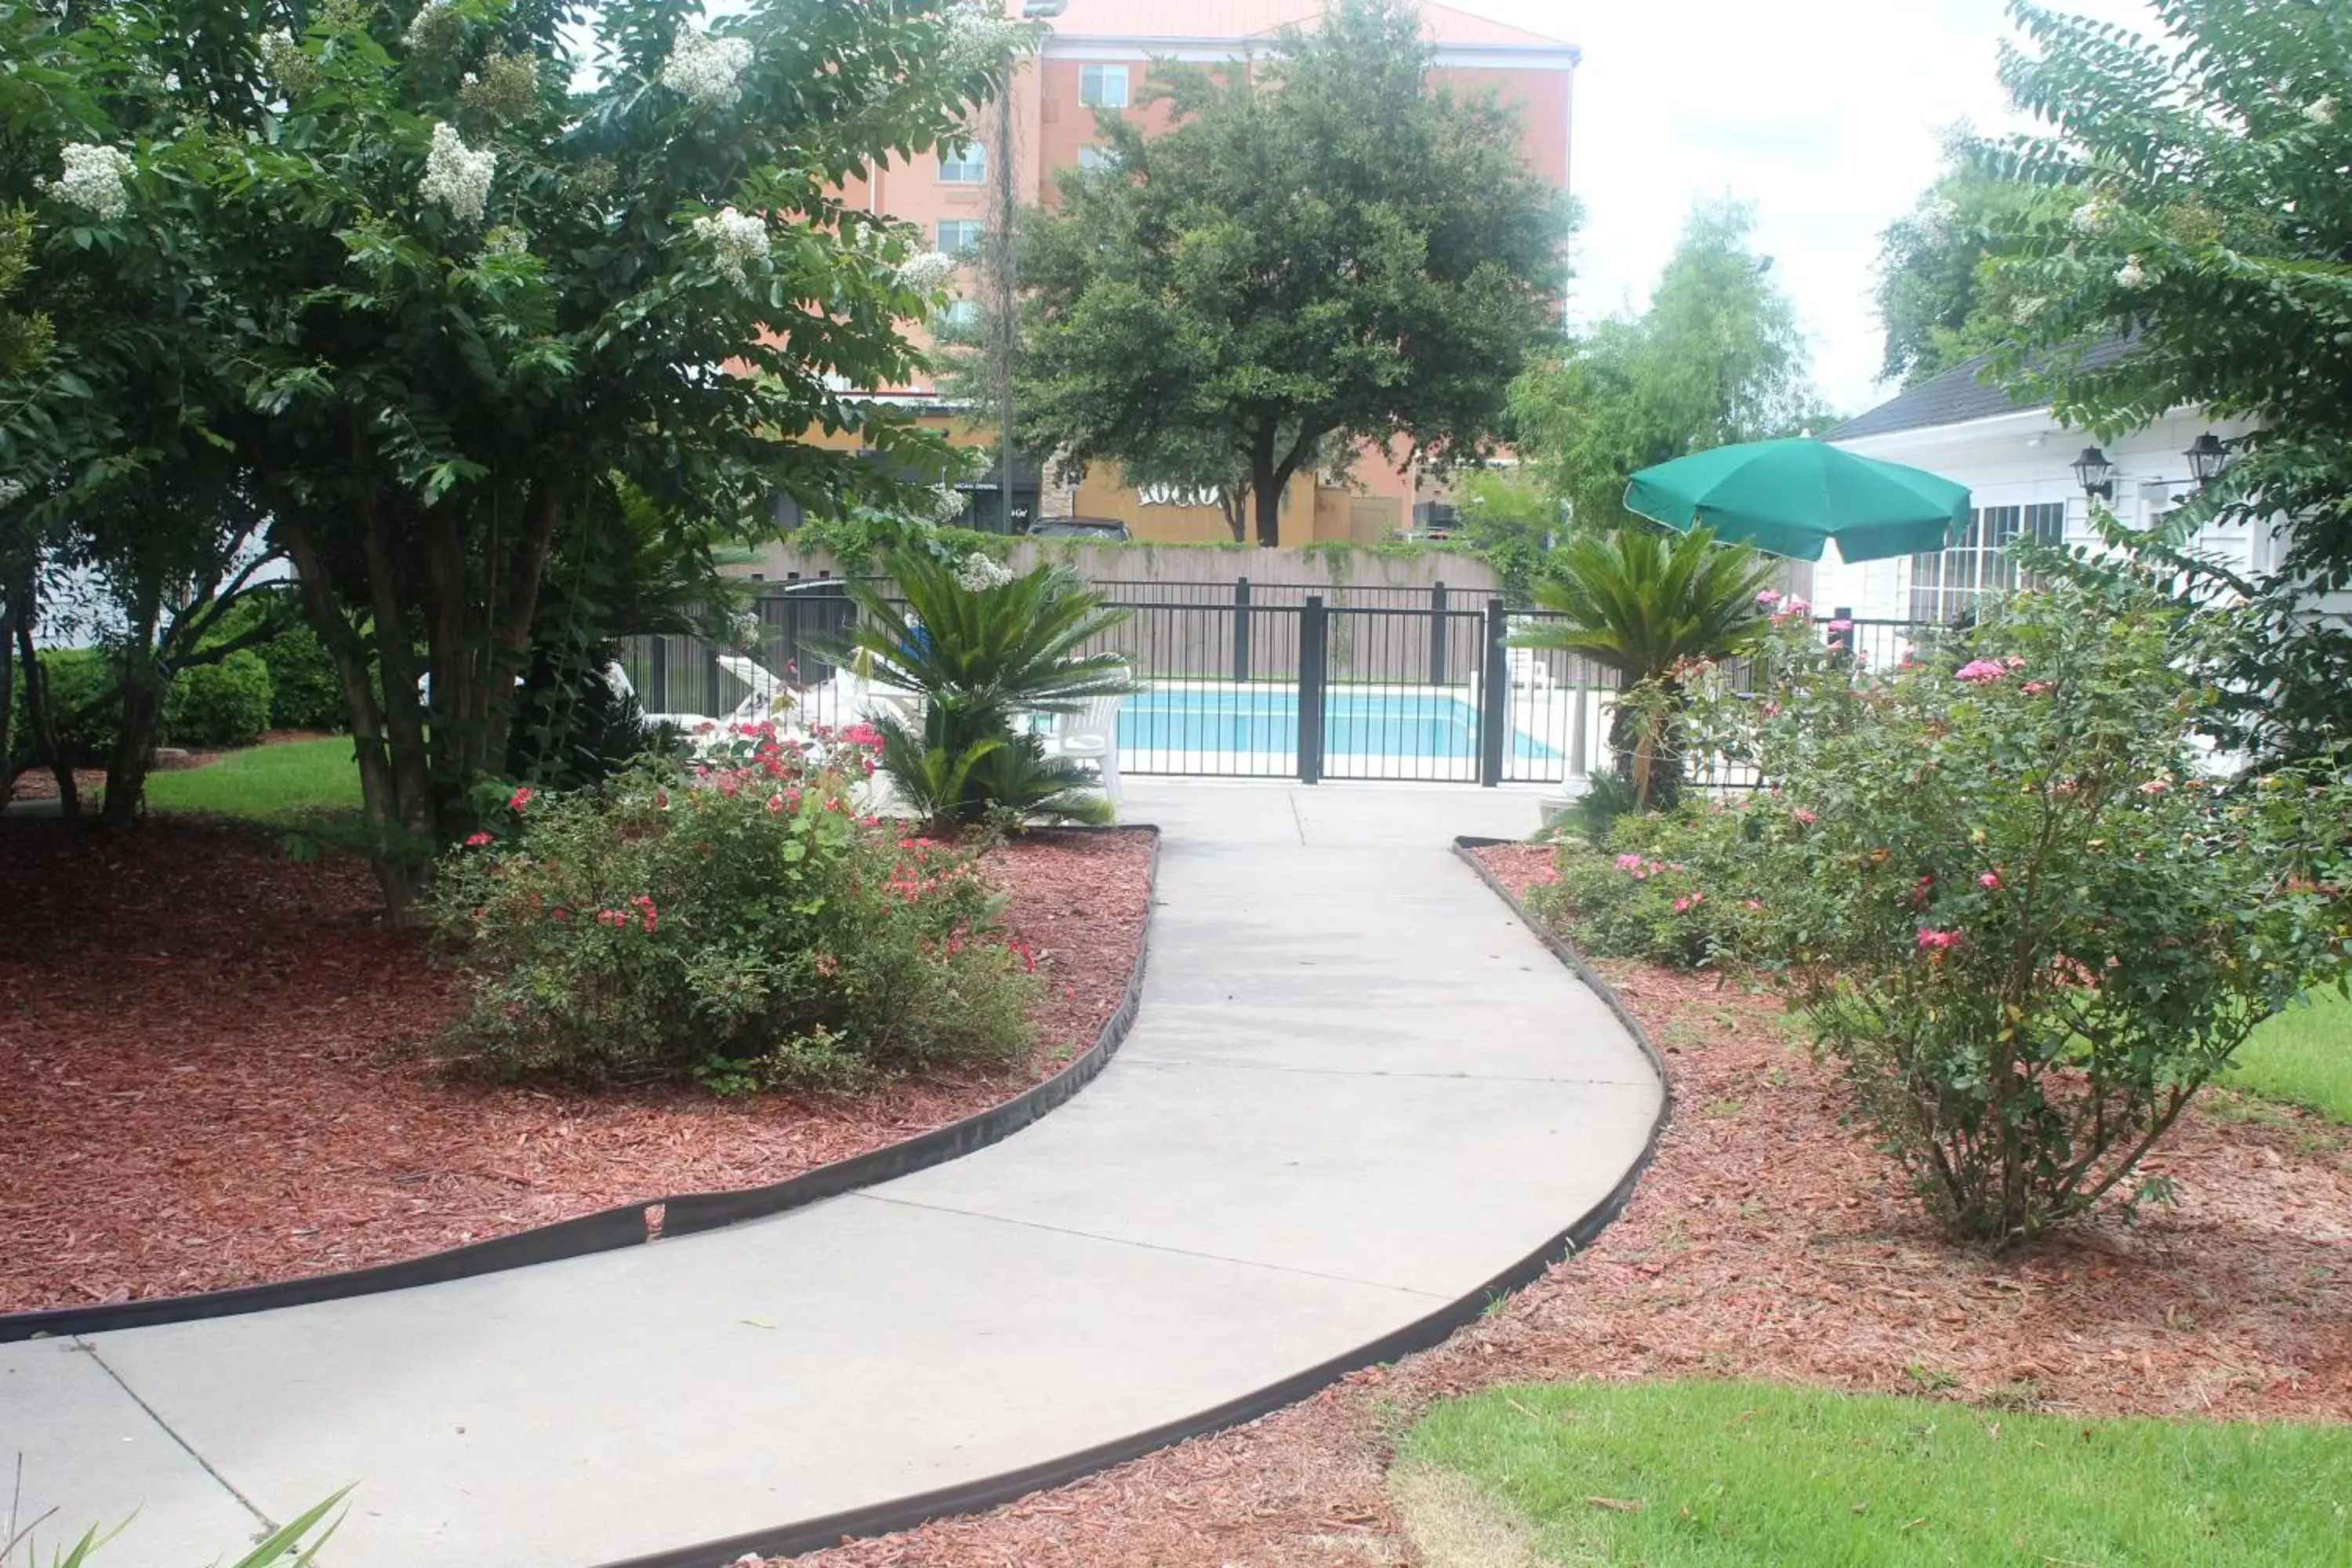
(1252, 721)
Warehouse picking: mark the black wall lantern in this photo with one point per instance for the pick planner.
(2208, 458)
(2097, 475)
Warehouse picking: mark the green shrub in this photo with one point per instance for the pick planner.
(217, 706)
(305, 693)
(85, 701)
(1665, 887)
(735, 922)
(2010, 904)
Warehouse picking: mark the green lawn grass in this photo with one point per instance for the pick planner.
(285, 783)
(2304, 1055)
(1743, 1473)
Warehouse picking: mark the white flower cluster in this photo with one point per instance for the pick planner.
(93, 178)
(427, 27)
(947, 504)
(2093, 215)
(281, 56)
(979, 573)
(739, 237)
(979, 37)
(925, 272)
(2323, 112)
(456, 175)
(704, 68)
(2131, 274)
(11, 490)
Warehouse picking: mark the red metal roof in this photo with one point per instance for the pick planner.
(1237, 19)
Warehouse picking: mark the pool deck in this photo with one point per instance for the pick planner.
(1359, 1092)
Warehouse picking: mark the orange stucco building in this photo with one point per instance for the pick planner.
(1096, 58)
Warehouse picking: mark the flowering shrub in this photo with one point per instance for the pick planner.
(2012, 904)
(736, 921)
(1666, 887)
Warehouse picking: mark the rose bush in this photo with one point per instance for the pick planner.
(1669, 886)
(735, 920)
(2012, 900)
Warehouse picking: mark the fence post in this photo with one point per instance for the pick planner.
(1241, 629)
(1580, 745)
(656, 675)
(1437, 639)
(1494, 710)
(1314, 649)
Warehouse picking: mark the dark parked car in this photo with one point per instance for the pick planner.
(1109, 530)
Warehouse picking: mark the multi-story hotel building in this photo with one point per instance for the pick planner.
(1096, 59)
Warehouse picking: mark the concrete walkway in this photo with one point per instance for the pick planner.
(1357, 1091)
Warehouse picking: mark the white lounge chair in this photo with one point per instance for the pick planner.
(1091, 734)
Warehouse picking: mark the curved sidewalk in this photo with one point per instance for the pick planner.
(1357, 1091)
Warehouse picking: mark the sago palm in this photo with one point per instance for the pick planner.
(984, 658)
(1003, 650)
(1643, 604)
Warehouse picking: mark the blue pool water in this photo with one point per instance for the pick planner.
(1355, 723)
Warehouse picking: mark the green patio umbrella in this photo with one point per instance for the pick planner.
(1790, 497)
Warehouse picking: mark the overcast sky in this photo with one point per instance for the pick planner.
(1826, 114)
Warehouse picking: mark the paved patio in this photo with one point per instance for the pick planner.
(1358, 1090)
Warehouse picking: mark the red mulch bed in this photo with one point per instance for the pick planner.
(1768, 1241)
(211, 1068)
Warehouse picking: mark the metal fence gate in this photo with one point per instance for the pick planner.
(1400, 684)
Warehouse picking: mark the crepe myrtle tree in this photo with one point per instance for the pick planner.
(2210, 221)
(446, 297)
(1322, 252)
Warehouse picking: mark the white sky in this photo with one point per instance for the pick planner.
(1826, 114)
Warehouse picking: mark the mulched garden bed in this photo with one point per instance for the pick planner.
(211, 1072)
(1769, 1241)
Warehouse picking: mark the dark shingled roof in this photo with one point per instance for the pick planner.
(1958, 397)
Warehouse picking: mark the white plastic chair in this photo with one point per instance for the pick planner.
(1091, 734)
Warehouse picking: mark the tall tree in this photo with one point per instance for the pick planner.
(1940, 301)
(445, 303)
(1324, 251)
(1716, 358)
(2211, 223)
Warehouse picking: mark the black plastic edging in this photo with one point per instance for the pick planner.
(975, 1497)
(630, 1226)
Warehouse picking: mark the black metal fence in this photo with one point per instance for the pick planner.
(1384, 683)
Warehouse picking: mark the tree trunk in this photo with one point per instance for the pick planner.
(143, 695)
(42, 723)
(7, 695)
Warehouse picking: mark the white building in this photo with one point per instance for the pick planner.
(2019, 463)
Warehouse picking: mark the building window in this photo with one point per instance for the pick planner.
(966, 164)
(1096, 160)
(959, 236)
(958, 321)
(1946, 586)
(1102, 86)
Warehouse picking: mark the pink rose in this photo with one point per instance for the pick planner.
(477, 839)
(1768, 598)
(1804, 816)
(520, 798)
(1979, 672)
(1989, 879)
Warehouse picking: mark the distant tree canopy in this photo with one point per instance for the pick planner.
(1936, 294)
(1322, 252)
(1716, 358)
